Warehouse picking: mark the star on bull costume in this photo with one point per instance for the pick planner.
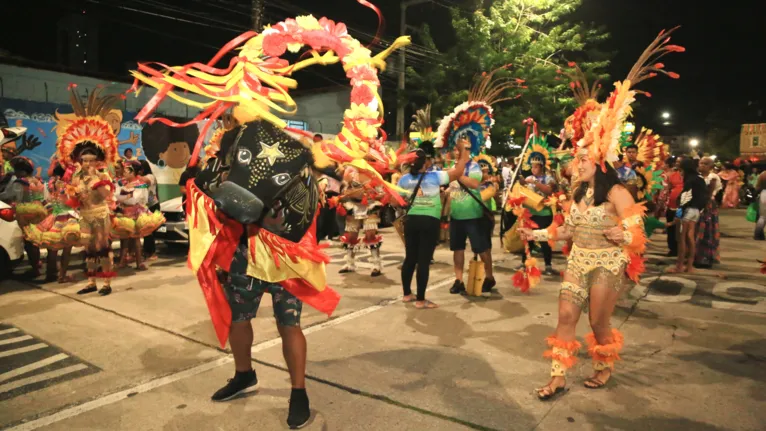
(606, 226)
(252, 209)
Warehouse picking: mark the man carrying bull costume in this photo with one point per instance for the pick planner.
(252, 208)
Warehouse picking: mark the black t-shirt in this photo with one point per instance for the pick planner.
(699, 191)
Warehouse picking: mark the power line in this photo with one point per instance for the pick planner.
(159, 15)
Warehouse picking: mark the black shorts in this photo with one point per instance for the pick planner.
(476, 230)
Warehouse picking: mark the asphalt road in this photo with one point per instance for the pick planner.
(146, 357)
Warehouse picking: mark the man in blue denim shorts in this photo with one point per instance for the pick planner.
(244, 294)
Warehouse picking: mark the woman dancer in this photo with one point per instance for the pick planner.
(421, 230)
(606, 226)
(708, 236)
(595, 283)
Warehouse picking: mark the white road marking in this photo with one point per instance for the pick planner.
(162, 381)
(15, 340)
(8, 331)
(33, 366)
(41, 377)
(24, 349)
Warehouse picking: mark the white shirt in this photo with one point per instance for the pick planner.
(718, 186)
(507, 172)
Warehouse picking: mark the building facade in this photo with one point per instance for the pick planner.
(752, 141)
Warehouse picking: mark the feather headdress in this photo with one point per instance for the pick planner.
(602, 139)
(88, 125)
(420, 128)
(473, 119)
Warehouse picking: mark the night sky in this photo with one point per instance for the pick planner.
(721, 72)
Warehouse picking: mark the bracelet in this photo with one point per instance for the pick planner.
(540, 234)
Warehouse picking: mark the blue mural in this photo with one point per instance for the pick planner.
(40, 143)
(167, 149)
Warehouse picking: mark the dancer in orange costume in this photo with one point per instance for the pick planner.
(606, 226)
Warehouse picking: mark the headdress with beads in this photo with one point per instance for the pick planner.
(473, 119)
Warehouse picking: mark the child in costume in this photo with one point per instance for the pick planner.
(251, 210)
(135, 221)
(60, 230)
(607, 230)
(87, 145)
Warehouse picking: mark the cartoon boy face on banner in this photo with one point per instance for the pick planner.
(168, 151)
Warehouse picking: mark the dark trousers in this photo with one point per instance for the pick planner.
(670, 215)
(421, 233)
(327, 223)
(150, 246)
(542, 223)
(33, 254)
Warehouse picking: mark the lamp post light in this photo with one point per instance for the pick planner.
(694, 143)
(666, 115)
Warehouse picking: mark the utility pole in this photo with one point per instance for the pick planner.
(257, 14)
(402, 64)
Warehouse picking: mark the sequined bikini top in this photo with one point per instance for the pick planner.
(589, 226)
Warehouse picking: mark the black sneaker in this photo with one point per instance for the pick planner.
(106, 290)
(241, 381)
(486, 287)
(549, 271)
(87, 289)
(458, 287)
(300, 413)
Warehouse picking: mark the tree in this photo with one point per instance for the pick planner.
(530, 35)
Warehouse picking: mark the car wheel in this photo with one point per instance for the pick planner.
(5, 265)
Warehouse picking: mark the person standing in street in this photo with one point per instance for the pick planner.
(537, 160)
(675, 185)
(708, 235)
(691, 202)
(468, 222)
(153, 203)
(421, 228)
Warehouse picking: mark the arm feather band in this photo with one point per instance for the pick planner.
(634, 235)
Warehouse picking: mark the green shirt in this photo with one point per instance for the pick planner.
(463, 206)
(428, 201)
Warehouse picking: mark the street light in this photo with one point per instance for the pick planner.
(694, 143)
(666, 115)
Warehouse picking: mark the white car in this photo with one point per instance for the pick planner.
(175, 229)
(11, 245)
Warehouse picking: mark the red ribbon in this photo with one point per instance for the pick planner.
(381, 20)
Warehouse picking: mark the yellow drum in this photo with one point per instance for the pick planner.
(531, 199)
